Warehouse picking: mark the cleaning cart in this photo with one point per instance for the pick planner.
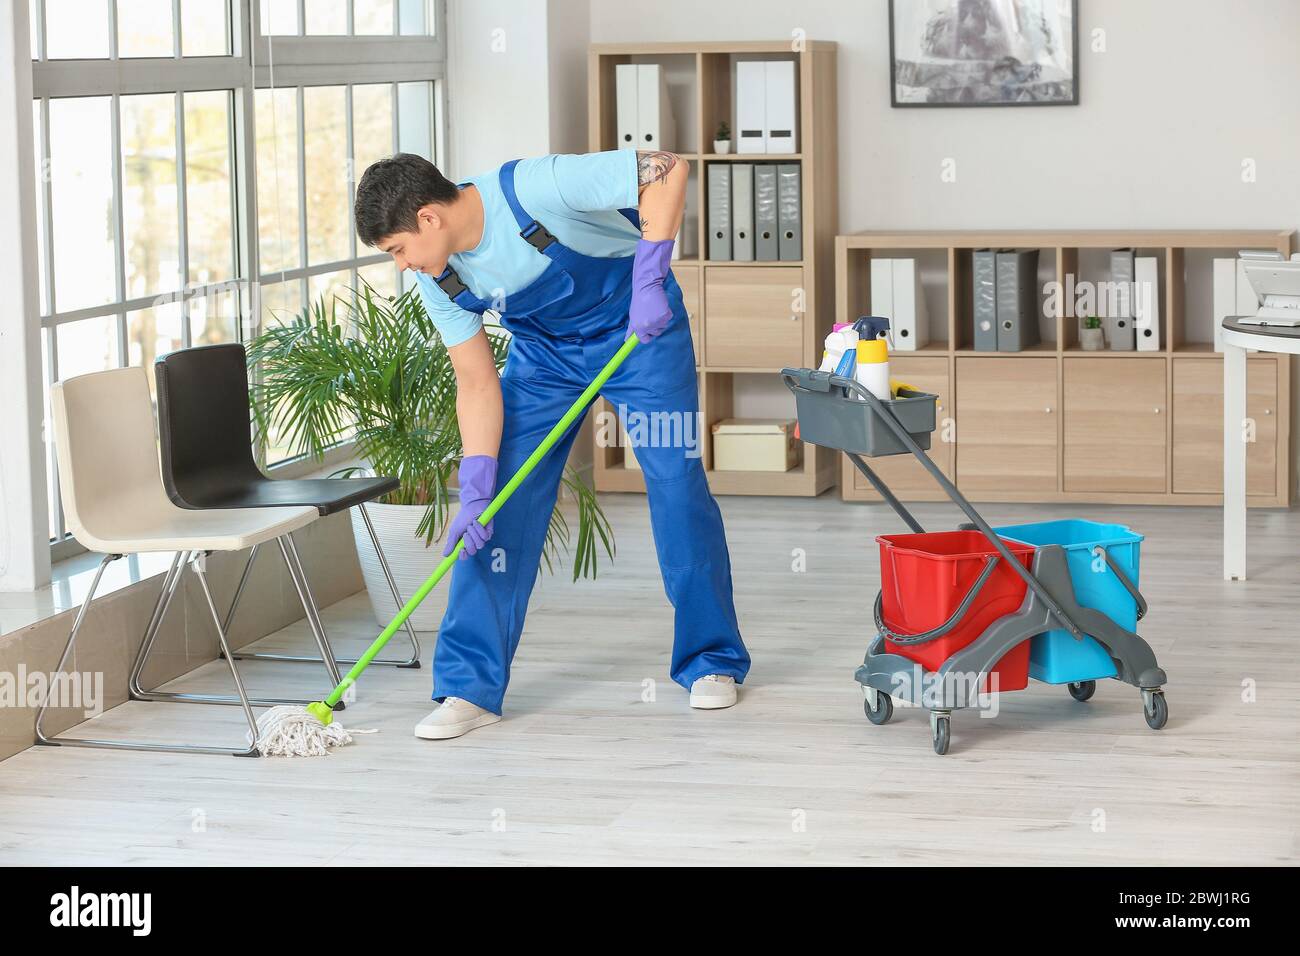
(973, 611)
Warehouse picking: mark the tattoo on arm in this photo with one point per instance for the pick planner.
(653, 167)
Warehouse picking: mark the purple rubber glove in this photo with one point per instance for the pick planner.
(478, 479)
(650, 312)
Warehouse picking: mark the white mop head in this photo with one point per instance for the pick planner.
(288, 731)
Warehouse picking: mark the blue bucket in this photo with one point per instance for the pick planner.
(1055, 657)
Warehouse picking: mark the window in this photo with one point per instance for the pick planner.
(346, 18)
(196, 175)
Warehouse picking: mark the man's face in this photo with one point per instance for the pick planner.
(424, 250)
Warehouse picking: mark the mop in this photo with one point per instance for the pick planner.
(289, 731)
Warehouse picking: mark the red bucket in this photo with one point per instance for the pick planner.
(923, 579)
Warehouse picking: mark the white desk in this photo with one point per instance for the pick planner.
(1237, 339)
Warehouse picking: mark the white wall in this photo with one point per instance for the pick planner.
(1157, 140)
(1182, 93)
(517, 79)
(568, 34)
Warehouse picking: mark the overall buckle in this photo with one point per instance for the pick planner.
(449, 282)
(537, 236)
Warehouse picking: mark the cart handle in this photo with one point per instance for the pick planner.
(815, 380)
(990, 563)
(1125, 580)
(808, 379)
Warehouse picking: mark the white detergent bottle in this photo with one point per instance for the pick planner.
(873, 368)
(836, 344)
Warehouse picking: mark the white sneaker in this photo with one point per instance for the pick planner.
(453, 718)
(713, 692)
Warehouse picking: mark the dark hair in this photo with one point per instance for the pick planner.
(391, 193)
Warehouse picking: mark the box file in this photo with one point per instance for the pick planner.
(742, 212)
(719, 211)
(1146, 303)
(654, 109)
(626, 82)
(780, 127)
(751, 106)
(766, 248)
(1017, 299)
(789, 214)
(910, 328)
(882, 289)
(1119, 326)
(643, 111)
(985, 300)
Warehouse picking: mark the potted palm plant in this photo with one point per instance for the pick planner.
(372, 369)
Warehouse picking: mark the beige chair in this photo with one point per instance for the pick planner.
(115, 503)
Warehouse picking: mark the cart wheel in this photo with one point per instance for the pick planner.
(941, 735)
(1082, 690)
(884, 708)
(1157, 714)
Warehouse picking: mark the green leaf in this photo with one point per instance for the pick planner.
(374, 369)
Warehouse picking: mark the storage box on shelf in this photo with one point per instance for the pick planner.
(749, 319)
(1057, 422)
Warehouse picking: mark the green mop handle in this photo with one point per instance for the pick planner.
(576, 409)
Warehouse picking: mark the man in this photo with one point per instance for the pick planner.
(573, 253)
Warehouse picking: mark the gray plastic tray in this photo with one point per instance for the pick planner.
(831, 414)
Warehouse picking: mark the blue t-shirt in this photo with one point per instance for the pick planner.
(576, 197)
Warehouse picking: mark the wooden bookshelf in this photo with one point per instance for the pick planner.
(1058, 423)
(720, 295)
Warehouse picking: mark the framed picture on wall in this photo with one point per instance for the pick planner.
(984, 52)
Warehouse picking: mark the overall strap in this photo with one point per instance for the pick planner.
(530, 230)
(450, 283)
(533, 232)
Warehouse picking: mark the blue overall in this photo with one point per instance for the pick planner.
(565, 326)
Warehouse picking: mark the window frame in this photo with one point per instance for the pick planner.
(255, 62)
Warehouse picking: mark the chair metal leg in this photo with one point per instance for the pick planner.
(164, 602)
(169, 585)
(139, 692)
(412, 662)
(239, 591)
(201, 572)
(299, 576)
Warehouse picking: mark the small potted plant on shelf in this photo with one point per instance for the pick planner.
(372, 369)
(1091, 338)
(722, 139)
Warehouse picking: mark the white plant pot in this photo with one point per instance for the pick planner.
(1092, 340)
(722, 146)
(410, 560)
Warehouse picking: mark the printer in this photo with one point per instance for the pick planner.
(1275, 283)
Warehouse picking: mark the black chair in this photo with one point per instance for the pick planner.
(207, 463)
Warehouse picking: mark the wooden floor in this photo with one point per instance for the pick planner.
(584, 771)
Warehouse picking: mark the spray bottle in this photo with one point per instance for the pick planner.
(842, 339)
(872, 327)
(873, 368)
